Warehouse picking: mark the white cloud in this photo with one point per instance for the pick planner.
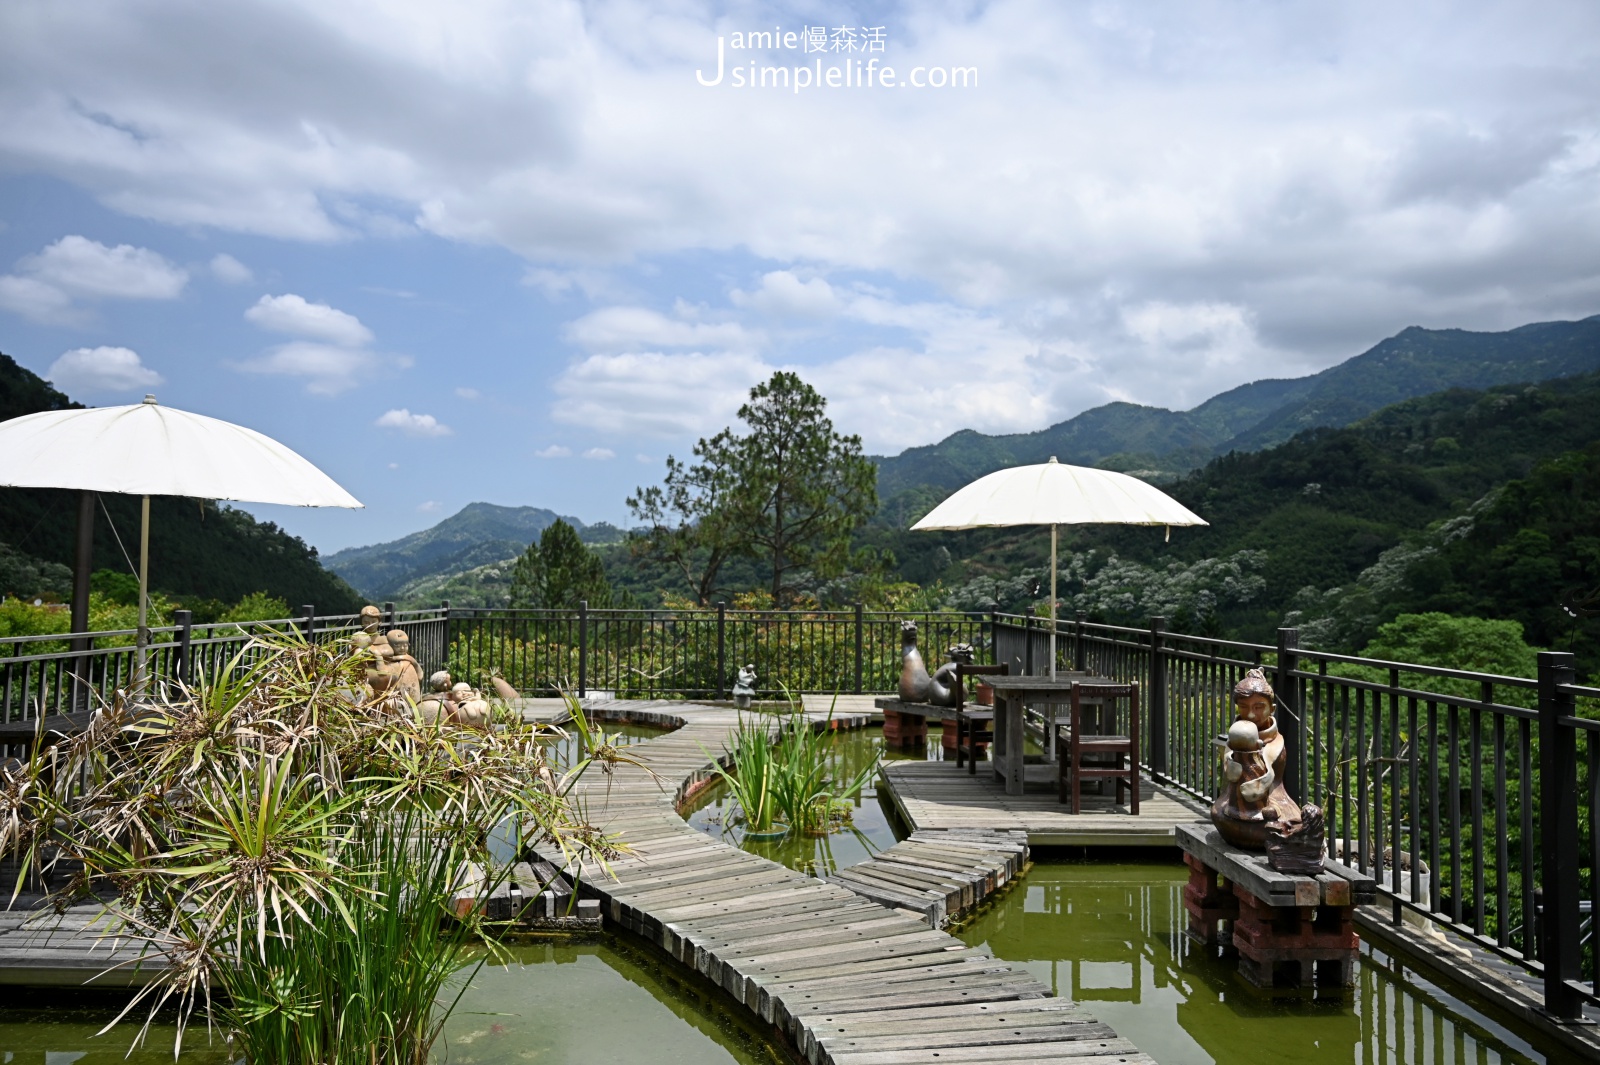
(226, 268)
(432, 506)
(624, 328)
(295, 316)
(783, 295)
(101, 370)
(412, 424)
(45, 284)
(36, 300)
(85, 267)
(329, 370)
(600, 453)
(554, 451)
(469, 393)
(655, 393)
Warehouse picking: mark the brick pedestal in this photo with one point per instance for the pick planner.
(904, 730)
(1210, 903)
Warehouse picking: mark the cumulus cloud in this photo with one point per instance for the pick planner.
(328, 369)
(468, 393)
(412, 424)
(432, 506)
(45, 284)
(554, 451)
(296, 316)
(614, 328)
(226, 268)
(1329, 173)
(101, 370)
(657, 394)
(600, 453)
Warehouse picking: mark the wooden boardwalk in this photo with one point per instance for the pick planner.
(849, 981)
(38, 948)
(939, 796)
(939, 875)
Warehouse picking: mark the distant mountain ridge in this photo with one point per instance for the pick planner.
(479, 534)
(1155, 441)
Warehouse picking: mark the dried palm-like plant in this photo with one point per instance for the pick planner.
(318, 857)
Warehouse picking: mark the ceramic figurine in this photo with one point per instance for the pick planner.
(744, 687)
(1253, 810)
(945, 687)
(408, 674)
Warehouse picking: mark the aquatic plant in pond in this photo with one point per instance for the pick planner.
(789, 775)
(312, 854)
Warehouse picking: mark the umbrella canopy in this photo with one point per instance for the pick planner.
(1056, 494)
(146, 449)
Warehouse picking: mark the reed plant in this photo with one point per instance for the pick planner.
(782, 766)
(305, 867)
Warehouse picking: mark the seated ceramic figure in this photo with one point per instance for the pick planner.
(471, 709)
(437, 705)
(1253, 801)
(744, 687)
(945, 687)
(408, 674)
(372, 625)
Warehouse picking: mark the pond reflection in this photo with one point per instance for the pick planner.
(1112, 936)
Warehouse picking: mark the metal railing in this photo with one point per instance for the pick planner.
(1473, 799)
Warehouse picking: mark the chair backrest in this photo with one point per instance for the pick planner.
(1109, 692)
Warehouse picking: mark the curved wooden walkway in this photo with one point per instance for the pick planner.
(848, 981)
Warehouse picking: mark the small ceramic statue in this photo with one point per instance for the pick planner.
(1253, 810)
(407, 673)
(438, 705)
(472, 709)
(914, 677)
(372, 625)
(946, 687)
(744, 687)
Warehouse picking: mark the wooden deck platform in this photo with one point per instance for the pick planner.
(39, 948)
(849, 981)
(937, 795)
(940, 875)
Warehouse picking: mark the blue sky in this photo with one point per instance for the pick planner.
(519, 252)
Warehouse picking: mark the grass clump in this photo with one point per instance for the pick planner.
(307, 865)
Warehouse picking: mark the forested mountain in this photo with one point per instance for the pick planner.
(1156, 442)
(197, 548)
(480, 534)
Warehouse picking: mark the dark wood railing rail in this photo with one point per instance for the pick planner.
(1473, 799)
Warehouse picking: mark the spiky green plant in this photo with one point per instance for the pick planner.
(317, 857)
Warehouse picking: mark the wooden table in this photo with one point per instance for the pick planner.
(1011, 696)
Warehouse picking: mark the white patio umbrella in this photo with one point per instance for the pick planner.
(1056, 494)
(145, 449)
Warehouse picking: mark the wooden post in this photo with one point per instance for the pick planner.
(1287, 712)
(860, 620)
(1156, 700)
(1562, 946)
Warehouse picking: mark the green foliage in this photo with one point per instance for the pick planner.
(787, 776)
(558, 572)
(257, 606)
(23, 576)
(275, 838)
(116, 586)
(790, 492)
(1479, 645)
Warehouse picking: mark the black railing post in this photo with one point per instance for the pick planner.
(388, 613)
(1156, 698)
(184, 620)
(1558, 831)
(1287, 712)
(444, 643)
(1027, 642)
(583, 648)
(722, 650)
(308, 627)
(1080, 652)
(860, 621)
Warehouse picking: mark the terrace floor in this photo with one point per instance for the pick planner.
(938, 795)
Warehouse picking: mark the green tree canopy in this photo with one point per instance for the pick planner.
(558, 571)
(789, 492)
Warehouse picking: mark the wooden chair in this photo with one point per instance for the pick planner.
(974, 729)
(1075, 741)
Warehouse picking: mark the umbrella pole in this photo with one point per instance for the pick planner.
(142, 640)
(1052, 602)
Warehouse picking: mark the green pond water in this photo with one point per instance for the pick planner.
(1110, 934)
